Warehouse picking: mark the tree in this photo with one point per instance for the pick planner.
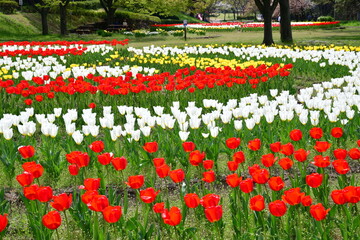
(267, 8)
(110, 7)
(206, 7)
(285, 22)
(158, 7)
(43, 7)
(63, 24)
(238, 5)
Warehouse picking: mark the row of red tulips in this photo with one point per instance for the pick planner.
(187, 78)
(113, 42)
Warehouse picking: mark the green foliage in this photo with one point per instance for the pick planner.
(104, 33)
(92, 4)
(325, 19)
(8, 7)
(124, 15)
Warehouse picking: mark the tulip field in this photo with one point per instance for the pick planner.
(101, 140)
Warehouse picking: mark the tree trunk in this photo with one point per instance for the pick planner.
(44, 21)
(285, 22)
(268, 37)
(63, 24)
(111, 16)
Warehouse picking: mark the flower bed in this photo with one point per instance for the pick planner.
(188, 142)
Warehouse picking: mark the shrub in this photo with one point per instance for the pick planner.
(104, 33)
(8, 7)
(325, 19)
(93, 4)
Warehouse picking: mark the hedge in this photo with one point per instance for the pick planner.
(8, 7)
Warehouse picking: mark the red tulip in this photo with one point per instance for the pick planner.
(233, 142)
(119, 163)
(97, 146)
(25, 179)
(159, 207)
(92, 184)
(172, 217)
(192, 200)
(318, 212)
(105, 158)
(354, 153)
(3, 222)
(52, 220)
(358, 142)
(162, 171)
(321, 161)
(177, 175)
(196, 157)
(136, 181)
(28, 102)
(35, 169)
(301, 155)
(81, 159)
(252, 169)
(210, 200)
(62, 202)
(286, 163)
(112, 214)
(277, 208)
(88, 196)
(39, 98)
(209, 176)
(148, 195)
(338, 197)
(73, 169)
(98, 203)
(44, 194)
(254, 144)
(268, 160)
(306, 201)
(316, 133)
(340, 153)
(31, 192)
(275, 147)
(188, 146)
(261, 176)
(232, 165)
(239, 157)
(158, 162)
(341, 166)
(150, 147)
(337, 132)
(322, 146)
(213, 213)
(208, 164)
(351, 194)
(296, 135)
(233, 180)
(314, 180)
(26, 151)
(257, 203)
(246, 185)
(276, 183)
(293, 196)
(287, 149)
(92, 105)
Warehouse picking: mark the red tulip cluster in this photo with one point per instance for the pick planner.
(65, 43)
(182, 79)
(44, 194)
